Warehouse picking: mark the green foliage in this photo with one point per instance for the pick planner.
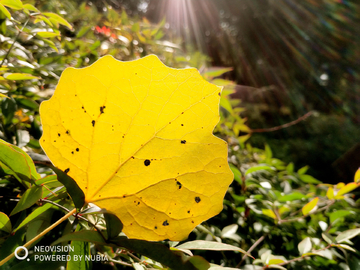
(280, 215)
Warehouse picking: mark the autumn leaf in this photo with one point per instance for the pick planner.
(137, 138)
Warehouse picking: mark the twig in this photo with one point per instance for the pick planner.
(37, 237)
(118, 262)
(317, 211)
(12, 45)
(251, 249)
(260, 130)
(78, 216)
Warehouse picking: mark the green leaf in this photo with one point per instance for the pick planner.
(57, 19)
(5, 11)
(79, 248)
(237, 174)
(347, 235)
(19, 76)
(155, 251)
(5, 224)
(14, 4)
(309, 206)
(45, 34)
(291, 197)
(16, 162)
(113, 225)
(290, 168)
(303, 170)
(309, 179)
(199, 262)
(83, 30)
(216, 72)
(75, 192)
(258, 168)
(29, 198)
(38, 211)
(8, 109)
(268, 153)
(87, 236)
(210, 245)
(27, 103)
(327, 238)
(218, 267)
(357, 176)
(345, 247)
(225, 103)
(305, 246)
(51, 44)
(31, 8)
(339, 214)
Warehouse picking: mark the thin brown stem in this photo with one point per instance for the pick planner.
(260, 130)
(251, 249)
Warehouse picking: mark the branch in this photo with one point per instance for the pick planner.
(41, 234)
(260, 130)
(15, 39)
(251, 249)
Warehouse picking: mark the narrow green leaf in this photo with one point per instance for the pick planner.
(290, 168)
(38, 211)
(29, 198)
(305, 246)
(291, 197)
(237, 174)
(303, 170)
(19, 76)
(5, 224)
(72, 187)
(216, 72)
(51, 44)
(199, 262)
(45, 34)
(309, 179)
(225, 103)
(268, 153)
(83, 30)
(113, 225)
(155, 251)
(309, 206)
(58, 19)
(327, 238)
(79, 248)
(345, 247)
(14, 4)
(87, 236)
(347, 235)
(5, 11)
(210, 245)
(31, 8)
(258, 168)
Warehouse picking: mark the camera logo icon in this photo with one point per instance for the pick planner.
(21, 257)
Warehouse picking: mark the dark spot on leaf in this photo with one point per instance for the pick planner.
(82, 107)
(55, 141)
(124, 196)
(67, 170)
(147, 162)
(155, 227)
(138, 203)
(135, 73)
(183, 141)
(182, 113)
(165, 223)
(44, 140)
(179, 184)
(192, 221)
(182, 125)
(59, 134)
(72, 152)
(169, 122)
(93, 122)
(189, 212)
(68, 131)
(85, 187)
(99, 196)
(132, 157)
(102, 109)
(219, 94)
(197, 199)
(77, 149)
(84, 111)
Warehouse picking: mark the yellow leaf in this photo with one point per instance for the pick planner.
(309, 206)
(330, 193)
(269, 213)
(357, 176)
(346, 189)
(340, 185)
(137, 138)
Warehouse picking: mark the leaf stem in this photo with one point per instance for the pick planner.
(41, 234)
(12, 45)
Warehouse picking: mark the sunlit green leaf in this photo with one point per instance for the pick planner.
(57, 18)
(19, 76)
(347, 235)
(29, 198)
(5, 224)
(305, 246)
(14, 4)
(5, 11)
